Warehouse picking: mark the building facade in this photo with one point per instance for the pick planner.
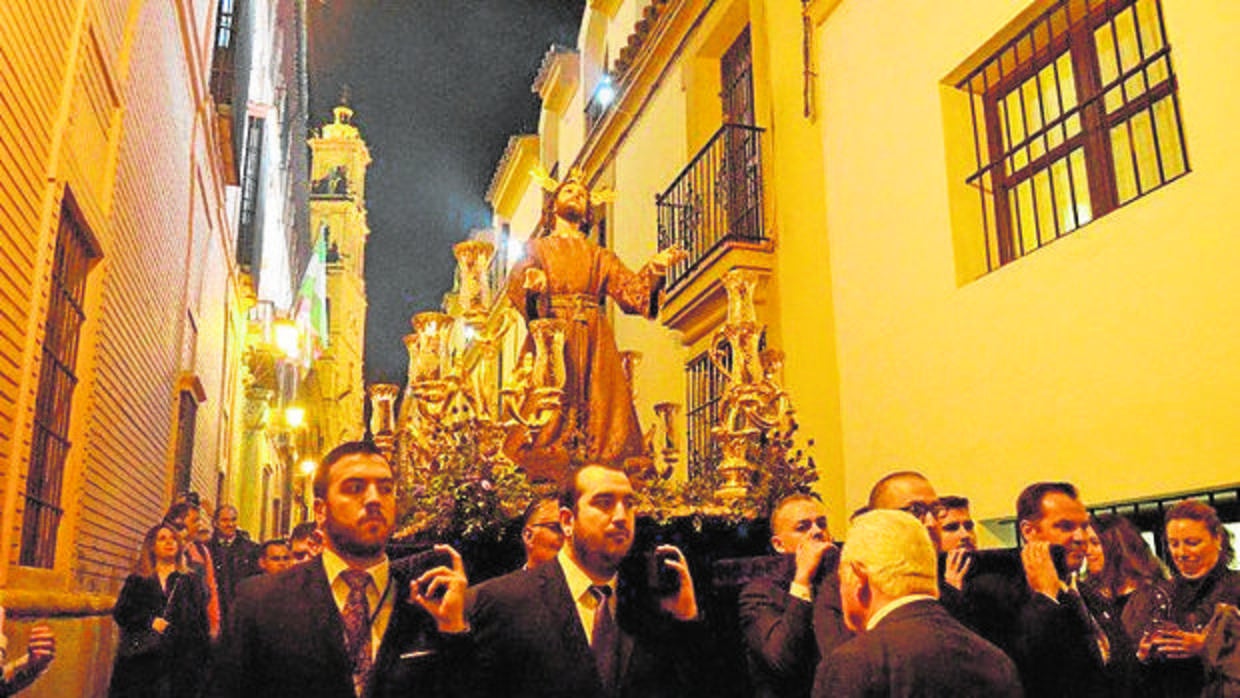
(336, 385)
(893, 173)
(125, 313)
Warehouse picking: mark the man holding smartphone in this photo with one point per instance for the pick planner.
(573, 627)
(1066, 640)
(792, 618)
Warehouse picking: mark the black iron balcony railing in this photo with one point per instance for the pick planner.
(716, 199)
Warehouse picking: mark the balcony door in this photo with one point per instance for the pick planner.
(738, 181)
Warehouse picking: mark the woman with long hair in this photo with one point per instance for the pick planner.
(1126, 562)
(1170, 617)
(162, 616)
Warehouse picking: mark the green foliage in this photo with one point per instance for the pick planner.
(465, 493)
(780, 469)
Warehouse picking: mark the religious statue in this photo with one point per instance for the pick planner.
(565, 275)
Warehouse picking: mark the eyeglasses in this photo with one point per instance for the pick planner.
(804, 525)
(954, 526)
(553, 526)
(921, 509)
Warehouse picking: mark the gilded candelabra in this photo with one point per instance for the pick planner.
(453, 373)
(755, 406)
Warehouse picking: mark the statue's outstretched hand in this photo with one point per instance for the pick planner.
(535, 280)
(666, 258)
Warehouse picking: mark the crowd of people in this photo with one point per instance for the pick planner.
(908, 605)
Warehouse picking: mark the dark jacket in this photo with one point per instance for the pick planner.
(785, 636)
(1189, 603)
(233, 562)
(178, 668)
(1053, 644)
(531, 644)
(286, 640)
(918, 650)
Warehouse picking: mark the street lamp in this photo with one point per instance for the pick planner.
(288, 338)
(294, 416)
(308, 466)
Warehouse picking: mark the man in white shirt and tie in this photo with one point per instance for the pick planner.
(573, 627)
(350, 624)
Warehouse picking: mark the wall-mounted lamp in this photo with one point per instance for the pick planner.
(288, 338)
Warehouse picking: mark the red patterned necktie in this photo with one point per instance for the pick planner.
(605, 638)
(356, 615)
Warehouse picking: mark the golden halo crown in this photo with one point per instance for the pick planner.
(598, 195)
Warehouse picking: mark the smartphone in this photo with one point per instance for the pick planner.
(415, 565)
(661, 578)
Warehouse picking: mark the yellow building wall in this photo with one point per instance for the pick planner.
(649, 159)
(1108, 358)
(105, 101)
(681, 116)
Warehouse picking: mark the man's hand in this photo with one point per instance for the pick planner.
(1040, 569)
(535, 280)
(682, 606)
(958, 563)
(41, 646)
(809, 557)
(159, 625)
(666, 258)
(441, 591)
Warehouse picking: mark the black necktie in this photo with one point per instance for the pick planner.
(605, 639)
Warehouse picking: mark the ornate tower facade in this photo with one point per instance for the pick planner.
(339, 159)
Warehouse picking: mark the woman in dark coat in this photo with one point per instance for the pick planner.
(1169, 619)
(1127, 564)
(162, 596)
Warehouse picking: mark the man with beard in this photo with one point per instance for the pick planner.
(350, 623)
(574, 626)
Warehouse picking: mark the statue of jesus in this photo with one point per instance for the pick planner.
(565, 275)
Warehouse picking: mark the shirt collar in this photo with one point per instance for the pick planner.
(898, 603)
(334, 564)
(578, 581)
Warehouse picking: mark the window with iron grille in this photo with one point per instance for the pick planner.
(247, 242)
(222, 61)
(705, 383)
(1074, 117)
(187, 418)
(49, 449)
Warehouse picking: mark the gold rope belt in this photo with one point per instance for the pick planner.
(574, 303)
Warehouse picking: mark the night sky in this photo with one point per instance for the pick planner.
(438, 86)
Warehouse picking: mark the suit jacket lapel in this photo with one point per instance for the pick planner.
(559, 601)
(326, 623)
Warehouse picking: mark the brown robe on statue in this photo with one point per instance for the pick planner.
(580, 274)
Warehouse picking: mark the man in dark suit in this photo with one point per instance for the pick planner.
(792, 618)
(349, 624)
(907, 644)
(571, 627)
(233, 554)
(1066, 640)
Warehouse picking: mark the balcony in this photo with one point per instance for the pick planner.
(716, 201)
